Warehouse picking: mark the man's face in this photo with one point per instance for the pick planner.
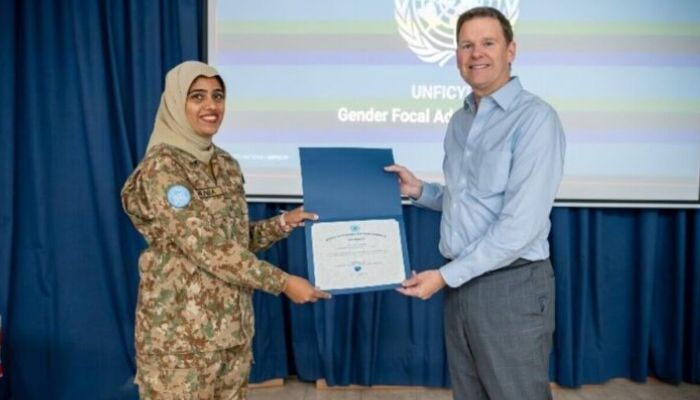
(483, 57)
(205, 105)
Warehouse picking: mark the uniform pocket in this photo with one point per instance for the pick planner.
(175, 380)
(491, 171)
(193, 379)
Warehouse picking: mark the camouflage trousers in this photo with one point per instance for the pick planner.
(220, 375)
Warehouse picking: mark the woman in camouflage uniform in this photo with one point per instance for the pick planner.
(194, 316)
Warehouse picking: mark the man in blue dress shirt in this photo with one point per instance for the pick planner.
(504, 156)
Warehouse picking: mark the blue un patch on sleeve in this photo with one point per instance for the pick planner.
(179, 196)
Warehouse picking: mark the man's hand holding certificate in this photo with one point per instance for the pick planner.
(358, 244)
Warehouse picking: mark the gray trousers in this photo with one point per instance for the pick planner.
(498, 333)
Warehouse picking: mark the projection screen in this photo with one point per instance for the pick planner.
(624, 76)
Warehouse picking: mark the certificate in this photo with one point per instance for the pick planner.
(357, 254)
(358, 244)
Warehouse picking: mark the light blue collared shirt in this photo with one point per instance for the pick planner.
(503, 164)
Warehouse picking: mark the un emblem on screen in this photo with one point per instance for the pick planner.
(428, 26)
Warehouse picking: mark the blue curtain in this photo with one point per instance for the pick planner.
(628, 294)
(628, 305)
(82, 83)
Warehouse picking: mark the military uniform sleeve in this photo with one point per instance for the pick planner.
(265, 233)
(191, 228)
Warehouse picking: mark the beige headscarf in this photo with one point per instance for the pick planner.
(172, 126)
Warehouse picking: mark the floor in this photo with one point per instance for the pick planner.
(612, 390)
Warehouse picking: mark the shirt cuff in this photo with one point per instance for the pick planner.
(428, 195)
(276, 282)
(276, 229)
(455, 274)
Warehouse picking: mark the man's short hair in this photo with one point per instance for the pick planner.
(486, 12)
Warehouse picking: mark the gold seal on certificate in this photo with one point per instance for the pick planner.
(350, 255)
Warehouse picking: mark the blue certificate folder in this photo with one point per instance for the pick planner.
(350, 184)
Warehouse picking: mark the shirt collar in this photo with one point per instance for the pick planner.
(504, 96)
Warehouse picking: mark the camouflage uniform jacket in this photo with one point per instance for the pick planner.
(199, 271)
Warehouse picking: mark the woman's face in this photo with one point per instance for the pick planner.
(205, 105)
